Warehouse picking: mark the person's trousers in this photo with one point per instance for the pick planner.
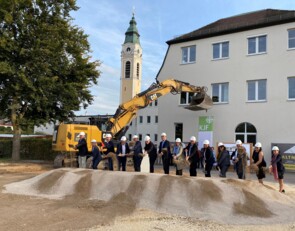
(152, 162)
(95, 162)
(137, 162)
(223, 170)
(193, 169)
(110, 163)
(166, 164)
(82, 161)
(208, 169)
(122, 162)
(179, 172)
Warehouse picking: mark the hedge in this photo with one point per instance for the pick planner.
(31, 149)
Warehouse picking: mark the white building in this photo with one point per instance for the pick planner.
(248, 64)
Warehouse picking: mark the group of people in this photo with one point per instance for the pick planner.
(183, 156)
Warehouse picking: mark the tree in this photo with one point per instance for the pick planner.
(45, 66)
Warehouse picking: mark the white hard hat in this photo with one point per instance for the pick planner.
(239, 142)
(258, 145)
(147, 138)
(135, 137)
(178, 140)
(108, 135)
(93, 141)
(193, 138)
(220, 144)
(123, 138)
(275, 148)
(206, 142)
(82, 134)
(163, 134)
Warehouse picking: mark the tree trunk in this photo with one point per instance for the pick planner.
(16, 143)
(16, 133)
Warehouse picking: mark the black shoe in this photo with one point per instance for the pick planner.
(283, 191)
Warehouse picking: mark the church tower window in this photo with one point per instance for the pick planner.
(127, 70)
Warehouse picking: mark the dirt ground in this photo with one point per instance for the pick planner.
(18, 212)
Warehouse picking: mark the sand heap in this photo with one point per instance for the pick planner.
(224, 200)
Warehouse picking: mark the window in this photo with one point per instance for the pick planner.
(291, 38)
(291, 88)
(156, 119)
(246, 132)
(137, 70)
(178, 130)
(156, 103)
(186, 97)
(220, 92)
(140, 119)
(127, 69)
(140, 137)
(188, 54)
(156, 137)
(221, 50)
(257, 90)
(148, 119)
(129, 137)
(257, 45)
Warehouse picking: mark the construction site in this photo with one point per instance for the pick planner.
(34, 196)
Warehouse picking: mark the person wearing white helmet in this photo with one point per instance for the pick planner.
(82, 150)
(258, 163)
(208, 155)
(241, 162)
(178, 157)
(192, 155)
(96, 156)
(110, 148)
(150, 150)
(235, 153)
(137, 151)
(223, 159)
(277, 168)
(165, 152)
(122, 153)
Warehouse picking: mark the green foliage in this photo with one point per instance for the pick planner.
(32, 149)
(45, 66)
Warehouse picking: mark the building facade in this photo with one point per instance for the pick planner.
(246, 61)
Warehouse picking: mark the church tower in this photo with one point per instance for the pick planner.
(131, 63)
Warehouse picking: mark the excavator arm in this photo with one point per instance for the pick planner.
(128, 110)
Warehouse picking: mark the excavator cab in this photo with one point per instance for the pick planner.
(200, 101)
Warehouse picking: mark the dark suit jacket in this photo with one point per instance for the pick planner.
(82, 147)
(137, 149)
(96, 153)
(109, 146)
(194, 154)
(119, 148)
(167, 146)
(151, 150)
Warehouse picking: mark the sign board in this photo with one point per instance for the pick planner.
(288, 154)
(205, 130)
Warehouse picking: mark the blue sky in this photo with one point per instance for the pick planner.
(106, 21)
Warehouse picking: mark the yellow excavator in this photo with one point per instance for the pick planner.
(66, 134)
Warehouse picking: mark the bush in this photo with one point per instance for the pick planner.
(31, 149)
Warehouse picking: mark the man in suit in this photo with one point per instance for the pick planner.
(82, 150)
(95, 154)
(164, 152)
(122, 153)
(234, 154)
(137, 150)
(109, 145)
(192, 155)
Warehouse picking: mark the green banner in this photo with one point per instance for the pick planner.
(206, 123)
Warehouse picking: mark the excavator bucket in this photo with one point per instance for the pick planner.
(199, 102)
